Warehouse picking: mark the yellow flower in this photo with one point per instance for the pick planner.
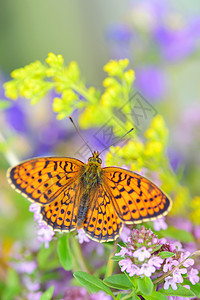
(195, 214)
(116, 68)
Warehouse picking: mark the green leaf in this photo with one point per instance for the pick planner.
(64, 253)
(48, 294)
(12, 287)
(157, 248)
(175, 233)
(194, 288)
(119, 296)
(118, 281)
(155, 296)
(4, 104)
(92, 283)
(47, 258)
(166, 254)
(181, 291)
(134, 295)
(145, 285)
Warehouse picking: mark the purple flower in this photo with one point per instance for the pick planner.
(151, 82)
(169, 264)
(141, 254)
(177, 275)
(35, 296)
(193, 276)
(178, 43)
(169, 280)
(146, 270)
(159, 224)
(16, 116)
(100, 296)
(197, 232)
(125, 233)
(125, 264)
(76, 293)
(32, 286)
(45, 233)
(133, 270)
(82, 236)
(24, 266)
(123, 251)
(155, 261)
(35, 208)
(189, 262)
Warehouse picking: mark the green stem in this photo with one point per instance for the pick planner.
(9, 155)
(110, 263)
(78, 255)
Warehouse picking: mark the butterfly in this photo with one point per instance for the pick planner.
(75, 195)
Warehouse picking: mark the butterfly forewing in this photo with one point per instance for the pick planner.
(42, 179)
(135, 198)
(102, 223)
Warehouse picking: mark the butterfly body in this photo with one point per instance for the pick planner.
(77, 195)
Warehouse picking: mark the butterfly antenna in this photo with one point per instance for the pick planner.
(80, 134)
(118, 140)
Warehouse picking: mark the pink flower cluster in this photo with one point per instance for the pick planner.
(45, 233)
(141, 257)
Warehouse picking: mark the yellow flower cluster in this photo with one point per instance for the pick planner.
(28, 82)
(195, 213)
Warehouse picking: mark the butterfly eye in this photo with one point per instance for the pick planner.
(99, 160)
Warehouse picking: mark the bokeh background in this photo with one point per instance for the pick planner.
(160, 38)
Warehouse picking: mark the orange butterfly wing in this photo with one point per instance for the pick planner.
(42, 180)
(54, 184)
(102, 223)
(135, 198)
(61, 214)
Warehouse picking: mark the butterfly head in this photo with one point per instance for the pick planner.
(95, 158)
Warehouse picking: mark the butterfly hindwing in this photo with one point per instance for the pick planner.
(61, 214)
(41, 180)
(135, 198)
(102, 223)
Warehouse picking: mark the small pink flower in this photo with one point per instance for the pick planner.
(155, 261)
(169, 264)
(147, 270)
(193, 276)
(159, 224)
(82, 236)
(24, 266)
(169, 280)
(34, 295)
(125, 264)
(122, 252)
(177, 275)
(189, 262)
(32, 286)
(133, 270)
(125, 234)
(141, 254)
(35, 208)
(176, 246)
(99, 296)
(45, 233)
